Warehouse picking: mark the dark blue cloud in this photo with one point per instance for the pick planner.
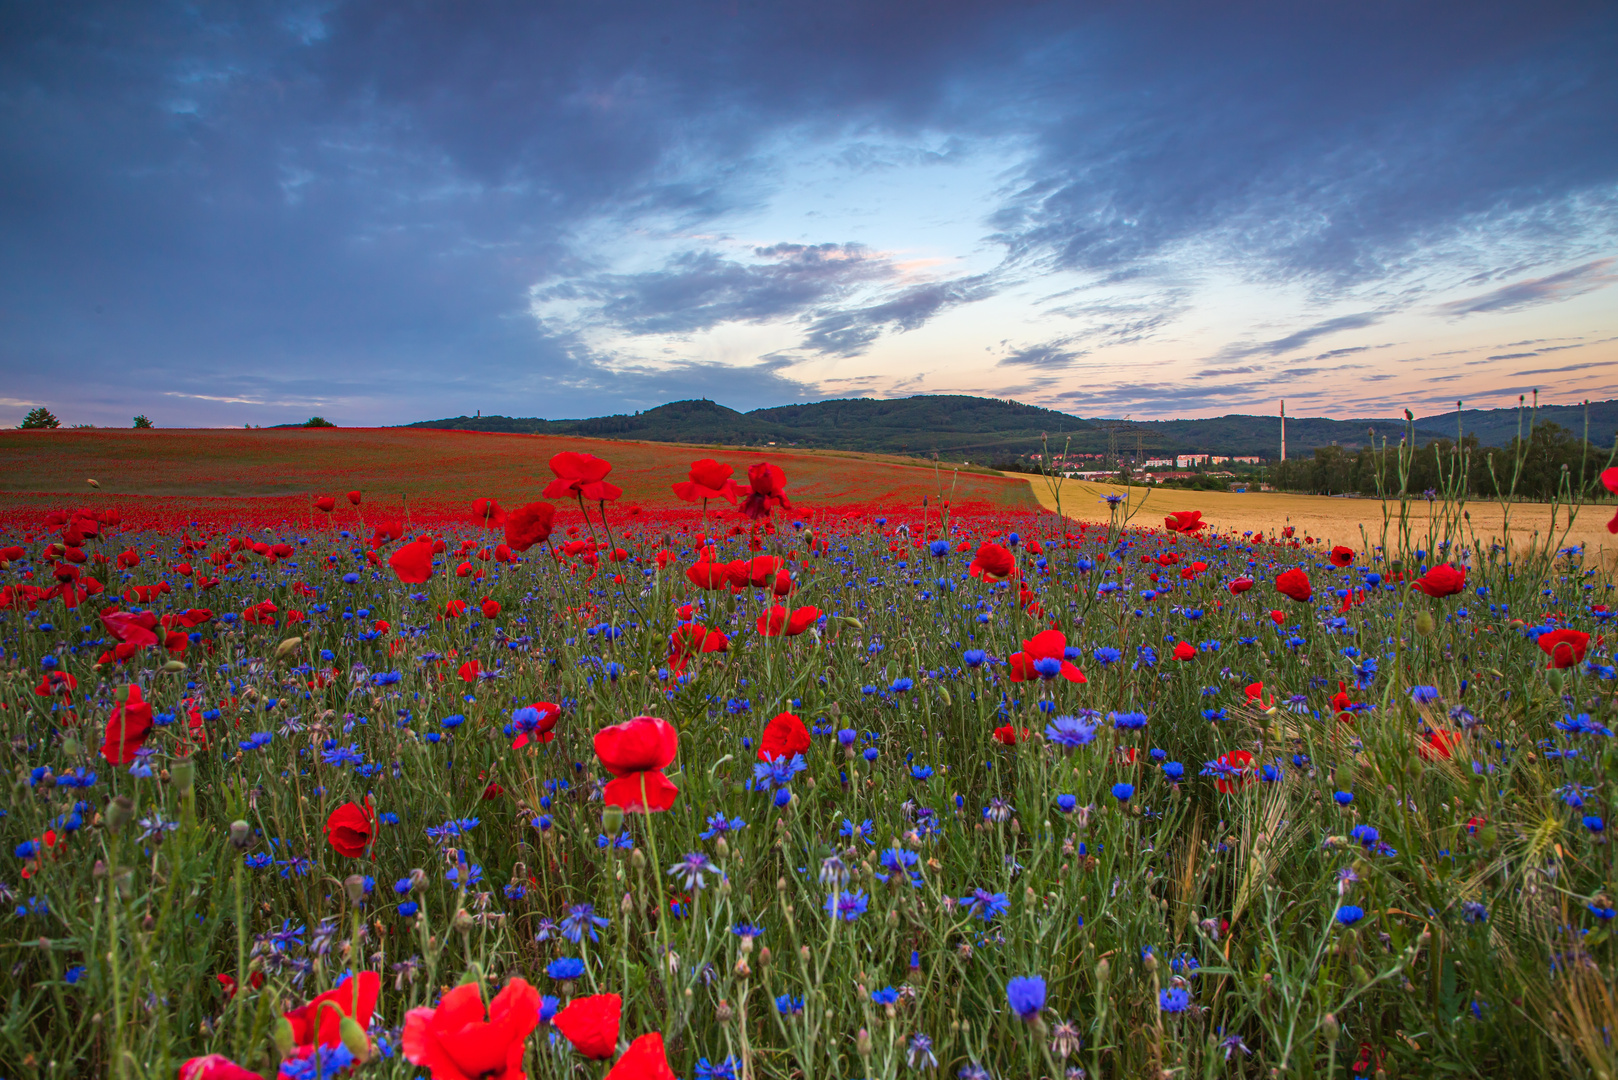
(256, 210)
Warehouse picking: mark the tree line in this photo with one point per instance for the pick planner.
(1539, 463)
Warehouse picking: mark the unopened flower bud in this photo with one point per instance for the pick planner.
(119, 812)
(241, 835)
(354, 885)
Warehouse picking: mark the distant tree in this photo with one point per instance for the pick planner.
(41, 418)
(318, 421)
(142, 421)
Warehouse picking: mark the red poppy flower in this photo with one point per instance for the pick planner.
(1340, 702)
(1009, 735)
(993, 563)
(1240, 585)
(137, 628)
(529, 525)
(1235, 759)
(131, 722)
(56, 682)
(469, 671)
(636, 752)
(689, 640)
(591, 1024)
(387, 532)
(413, 563)
(783, 736)
(708, 575)
(1184, 650)
(1441, 580)
(350, 828)
(581, 476)
(1609, 480)
(487, 512)
(767, 488)
(776, 621)
(549, 713)
(1048, 645)
(490, 609)
(456, 1041)
(354, 498)
(709, 480)
(1256, 696)
(1294, 584)
(1565, 647)
(319, 1022)
(644, 1060)
(215, 1067)
(1342, 556)
(1184, 521)
(325, 504)
(1437, 744)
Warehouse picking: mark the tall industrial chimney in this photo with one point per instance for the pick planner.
(1283, 429)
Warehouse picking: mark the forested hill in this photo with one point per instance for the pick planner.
(960, 427)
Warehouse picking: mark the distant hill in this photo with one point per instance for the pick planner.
(965, 428)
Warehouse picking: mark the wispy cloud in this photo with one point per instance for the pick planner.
(1532, 292)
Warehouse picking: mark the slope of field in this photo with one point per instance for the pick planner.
(1332, 520)
(438, 467)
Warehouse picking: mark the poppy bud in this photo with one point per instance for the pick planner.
(184, 776)
(862, 1043)
(354, 1038)
(418, 880)
(354, 885)
(637, 860)
(172, 667)
(1103, 970)
(287, 647)
(1424, 624)
(285, 1040)
(241, 835)
(612, 820)
(119, 812)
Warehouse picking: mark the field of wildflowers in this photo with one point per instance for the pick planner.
(746, 789)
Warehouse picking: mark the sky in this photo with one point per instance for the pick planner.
(218, 214)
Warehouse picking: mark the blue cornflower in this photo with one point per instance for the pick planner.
(1424, 695)
(1174, 1000)
(1173, 770)
(1026, 995)
(862, 830)
(787, 1005)
(1128, 721)
(1070, 732)
(847, 906)
(579, 920)
(1343, 798)
(1066, 803)
(721, 1070)
(1349, 914)
(565, 969)
(885, 996)
(778, 772)
(343, 755)
(1123, 792)
(718, 825)
(1106, 655)
(691, 870)
(974, 657)
(985, 904)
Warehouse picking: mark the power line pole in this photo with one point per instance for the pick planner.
(1283, 430)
